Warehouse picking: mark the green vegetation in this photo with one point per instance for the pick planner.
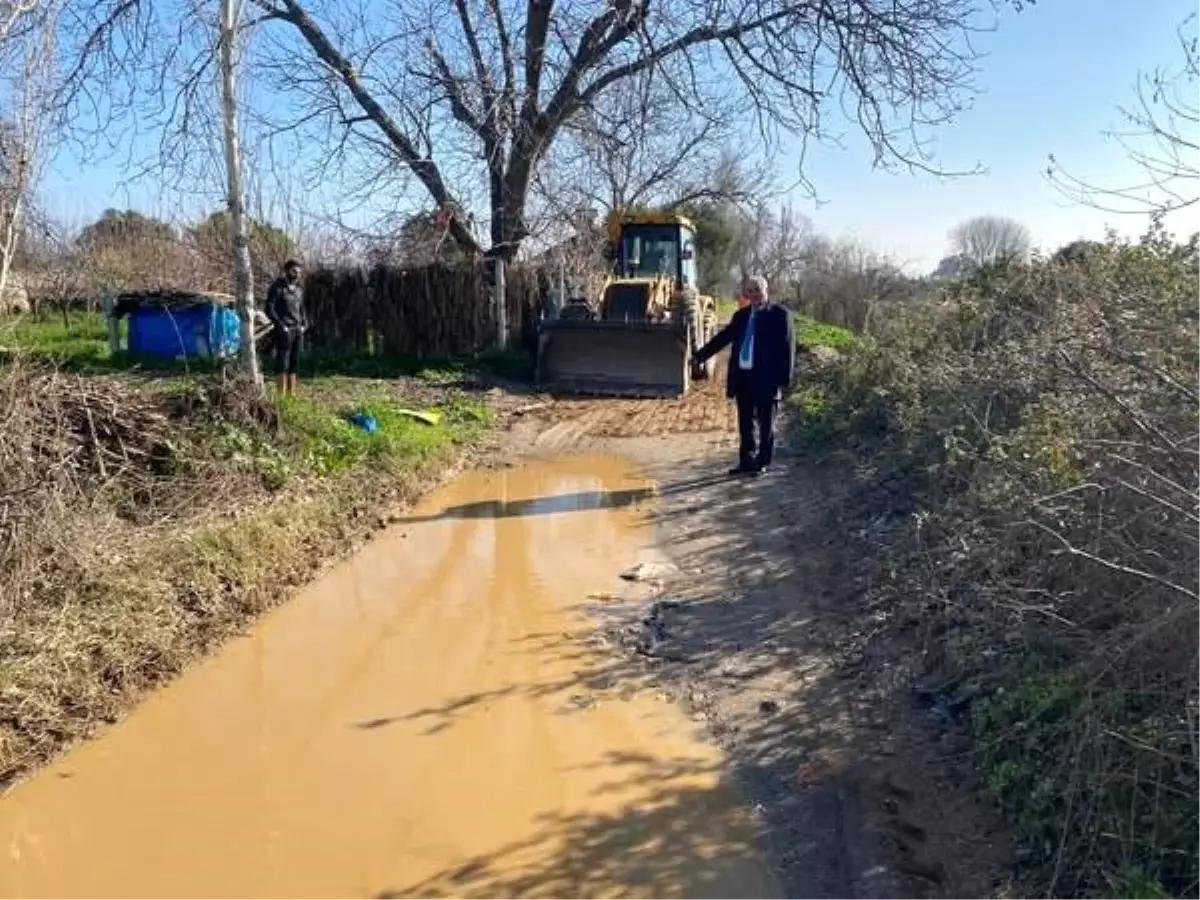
(330, 442)
(718, 240)
(162, 514)
(80, 338)
(1031, 432)
(80, 344)
(811, 333)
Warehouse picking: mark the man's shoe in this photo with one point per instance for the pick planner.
(743, 470)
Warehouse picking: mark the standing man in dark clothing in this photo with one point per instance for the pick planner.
(761, 368)
(285, 309)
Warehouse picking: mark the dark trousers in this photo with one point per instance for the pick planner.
(288, 345)
(753, 410)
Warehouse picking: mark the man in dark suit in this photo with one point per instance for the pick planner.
(761, 367)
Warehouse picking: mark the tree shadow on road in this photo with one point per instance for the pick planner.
(674, 840)
(761, 638)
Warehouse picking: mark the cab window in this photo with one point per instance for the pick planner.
(649, 250)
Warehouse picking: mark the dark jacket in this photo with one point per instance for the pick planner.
(285, 306)
(774, 352)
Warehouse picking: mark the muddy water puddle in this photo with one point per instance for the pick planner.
(422, 721)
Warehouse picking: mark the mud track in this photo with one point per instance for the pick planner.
(478, 705)
(764, 637)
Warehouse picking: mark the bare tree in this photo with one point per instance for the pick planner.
(988, 239)
(493, 85)
(773, 242)
(15, 15)
(843, 283)
(644, 146)
(1160, 138)
(27, 95)
(125, 250)
(243, 269)
(174, 67)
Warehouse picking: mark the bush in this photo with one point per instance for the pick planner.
(1044, 418)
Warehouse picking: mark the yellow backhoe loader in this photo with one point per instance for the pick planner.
(638, 339)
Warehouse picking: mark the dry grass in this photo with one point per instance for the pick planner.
(133, 539)
(1036, 430)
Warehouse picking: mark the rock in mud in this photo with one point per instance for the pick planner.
(768, 707)
(651, 571)
(733, 668)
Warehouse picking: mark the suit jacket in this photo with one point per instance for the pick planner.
(774, 352)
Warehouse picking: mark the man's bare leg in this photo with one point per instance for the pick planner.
(292, 384)
(281, 384)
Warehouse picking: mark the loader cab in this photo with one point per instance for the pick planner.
(656, 249)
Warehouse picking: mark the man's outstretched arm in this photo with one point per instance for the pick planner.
(719, 342)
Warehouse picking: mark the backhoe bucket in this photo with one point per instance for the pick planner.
(620, 359)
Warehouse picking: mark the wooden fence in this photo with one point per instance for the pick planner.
(428, 312)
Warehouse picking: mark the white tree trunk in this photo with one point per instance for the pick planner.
(8, 242)
(29, 125)
(243, 273)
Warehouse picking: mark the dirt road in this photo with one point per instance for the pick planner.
(477, 704)
(764, 640)
(417, 723)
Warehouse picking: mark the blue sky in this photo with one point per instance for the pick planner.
(1052, 82)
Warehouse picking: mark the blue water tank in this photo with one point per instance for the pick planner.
(199, 331)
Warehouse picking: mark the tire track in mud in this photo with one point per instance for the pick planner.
(552, 425)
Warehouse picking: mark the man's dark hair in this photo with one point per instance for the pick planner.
(291, 264)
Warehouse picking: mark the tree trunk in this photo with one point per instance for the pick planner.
(8, 249)
(243, 273)
(500, 303)
(496, 230)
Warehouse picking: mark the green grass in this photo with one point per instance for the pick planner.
(82, 339)
(811, 333)
(329, 443)
(324, 441)
(80, 344)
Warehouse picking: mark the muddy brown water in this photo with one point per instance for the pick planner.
(412, 724)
